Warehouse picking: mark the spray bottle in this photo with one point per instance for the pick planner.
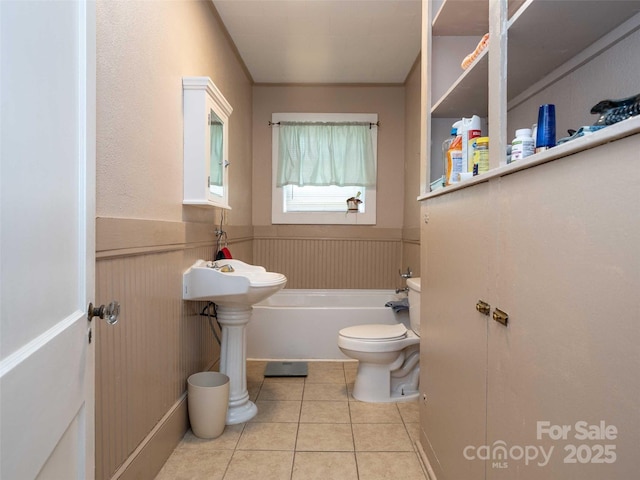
(445, 150)
(455, 162)
(471, 129)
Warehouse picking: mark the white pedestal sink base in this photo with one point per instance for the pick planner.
(233, 361)
(234, 286)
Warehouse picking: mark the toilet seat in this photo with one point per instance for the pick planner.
(380, 338)
(388, 355)
(375, 333)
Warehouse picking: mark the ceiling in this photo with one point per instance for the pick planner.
(324, 41)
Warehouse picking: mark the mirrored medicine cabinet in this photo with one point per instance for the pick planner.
(206, 143)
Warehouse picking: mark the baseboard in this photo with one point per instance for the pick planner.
(147, 460)
(426, 466)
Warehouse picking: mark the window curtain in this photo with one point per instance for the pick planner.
(323, 154)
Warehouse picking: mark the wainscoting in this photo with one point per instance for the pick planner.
(330, 256)
(411, 250)
(143, 361)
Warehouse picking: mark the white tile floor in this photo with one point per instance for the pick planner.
(306, 429)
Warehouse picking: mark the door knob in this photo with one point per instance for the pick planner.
(110, 312)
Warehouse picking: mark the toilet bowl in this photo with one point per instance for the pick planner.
(388, 355)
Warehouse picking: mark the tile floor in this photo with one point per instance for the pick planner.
(306, 429)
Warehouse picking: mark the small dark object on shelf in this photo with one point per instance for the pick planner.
(614, 111)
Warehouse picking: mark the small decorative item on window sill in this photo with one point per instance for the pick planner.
(352, 203)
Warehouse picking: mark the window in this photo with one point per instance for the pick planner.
(320, 199)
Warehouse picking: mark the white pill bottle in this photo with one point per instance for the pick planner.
(523, 145)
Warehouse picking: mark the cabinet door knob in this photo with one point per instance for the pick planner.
(501, 317)
(483, 307)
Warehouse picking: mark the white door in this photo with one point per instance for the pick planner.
(47, 239)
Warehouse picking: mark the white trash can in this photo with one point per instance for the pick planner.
(208, 402)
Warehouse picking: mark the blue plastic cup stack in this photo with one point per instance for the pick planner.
(546, 136)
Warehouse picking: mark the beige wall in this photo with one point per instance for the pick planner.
(144, 49)
(386, 101)
(296, 250)
(146, 238)
(411, 221)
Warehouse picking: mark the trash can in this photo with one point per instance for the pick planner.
(208, 402)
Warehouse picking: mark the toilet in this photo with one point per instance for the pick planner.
(388, 355)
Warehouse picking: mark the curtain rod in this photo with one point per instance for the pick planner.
(377, 124)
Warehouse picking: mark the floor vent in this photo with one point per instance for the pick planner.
(286, 369)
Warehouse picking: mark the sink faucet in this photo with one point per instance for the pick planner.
(406, 274)
(222, 268)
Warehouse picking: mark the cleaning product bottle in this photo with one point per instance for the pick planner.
(481, 156)
(455, 163)
(445, 150)
(471, 129)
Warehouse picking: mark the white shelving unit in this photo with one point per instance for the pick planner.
(533, 44)
(550, 241)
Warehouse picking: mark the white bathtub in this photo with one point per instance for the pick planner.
(303, 324)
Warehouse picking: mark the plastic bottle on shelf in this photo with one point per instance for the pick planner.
(523, 145)
(471, 129)
(481, 156)
(455, 163)
(445, 150)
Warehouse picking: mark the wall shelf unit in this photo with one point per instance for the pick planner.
(551, 239)
(535, 52)
(533, 44)
(615, 132)
(469, 94)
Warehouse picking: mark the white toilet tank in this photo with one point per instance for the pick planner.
(414, 304)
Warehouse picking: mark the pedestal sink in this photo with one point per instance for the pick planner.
(234, 286)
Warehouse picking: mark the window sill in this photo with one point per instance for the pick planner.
(323, 218)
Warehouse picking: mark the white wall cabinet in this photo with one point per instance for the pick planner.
(551, 240)
(206, 143)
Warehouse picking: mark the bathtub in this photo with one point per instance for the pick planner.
(303, 324)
